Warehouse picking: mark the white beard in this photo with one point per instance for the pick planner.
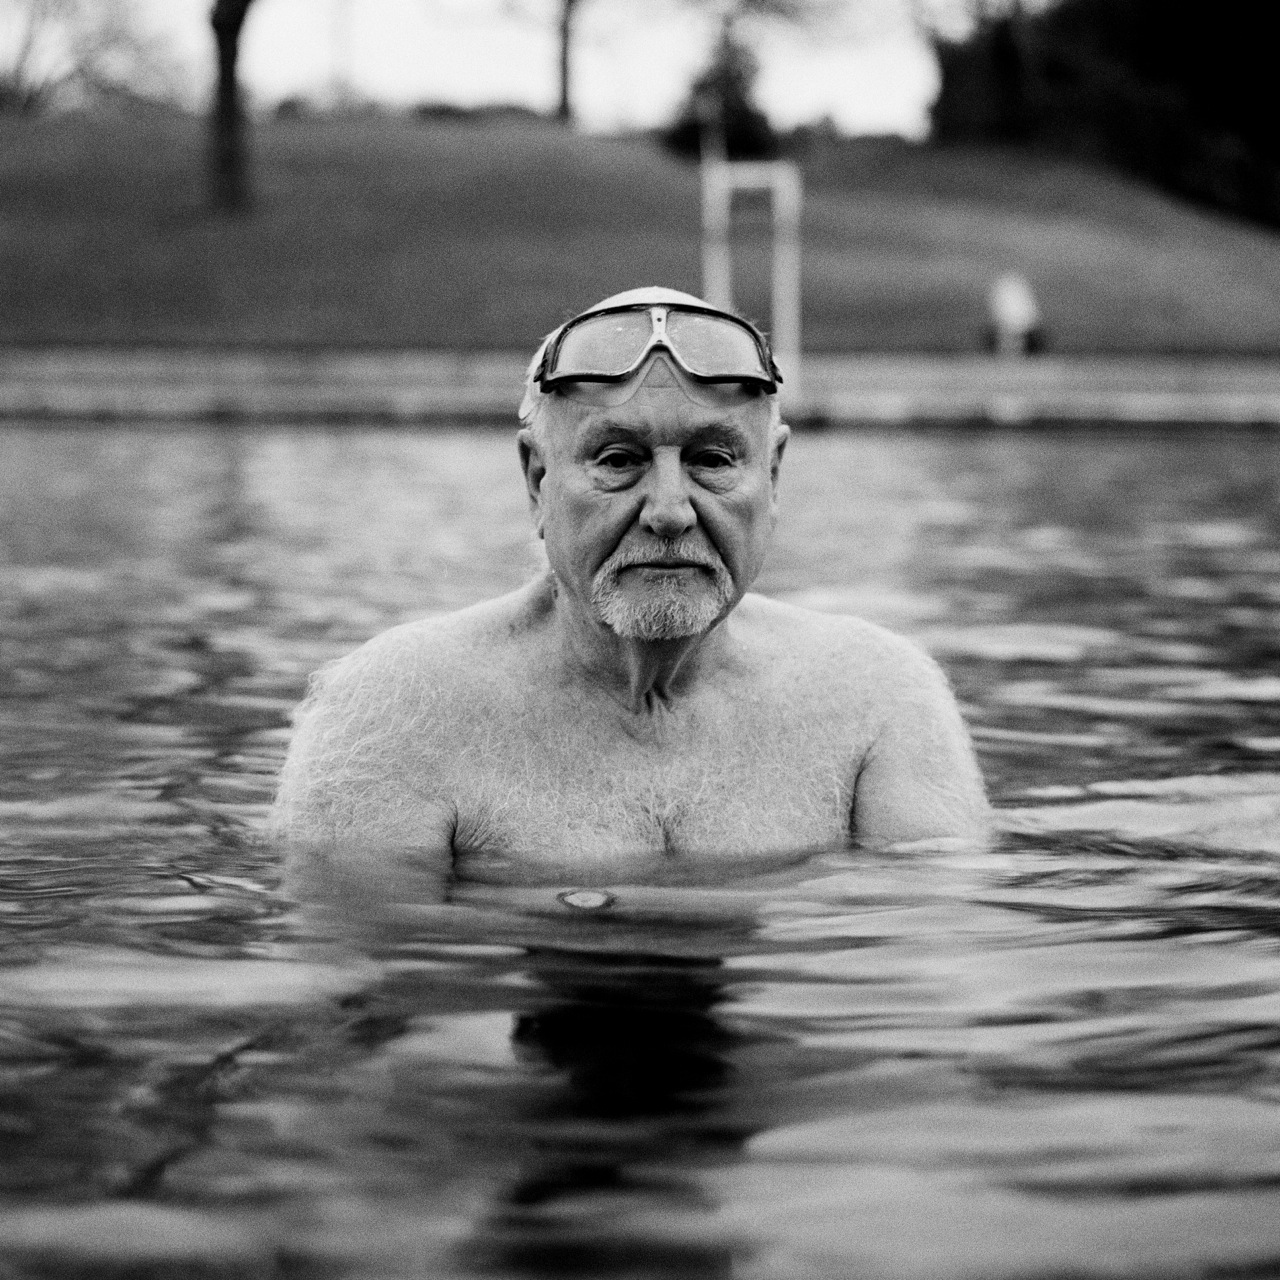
(667, 607)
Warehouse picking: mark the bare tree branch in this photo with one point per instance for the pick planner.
(42, 61)
(566, 13)
(37, 14)
(794, 12)
(75, 51)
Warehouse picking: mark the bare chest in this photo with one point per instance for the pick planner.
(598, 799)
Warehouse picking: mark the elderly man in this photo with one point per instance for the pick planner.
(634, 714)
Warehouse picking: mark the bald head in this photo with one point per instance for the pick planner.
(650, 295)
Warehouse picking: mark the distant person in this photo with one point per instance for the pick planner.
(1015, 327)
(633, 714)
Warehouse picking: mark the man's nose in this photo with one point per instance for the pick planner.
(668, 511)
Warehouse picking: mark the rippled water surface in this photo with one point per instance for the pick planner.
(1057, 1059)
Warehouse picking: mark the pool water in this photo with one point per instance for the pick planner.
(1060, 1058)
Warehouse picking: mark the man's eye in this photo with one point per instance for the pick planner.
(712, 458)
(617, 460)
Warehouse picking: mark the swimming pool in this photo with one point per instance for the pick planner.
(1060, 1058)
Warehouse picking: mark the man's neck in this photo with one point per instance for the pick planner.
(643, 676)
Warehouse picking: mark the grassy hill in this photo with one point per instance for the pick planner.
(399, 232)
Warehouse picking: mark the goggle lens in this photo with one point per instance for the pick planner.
(608, 344)
(714, 347)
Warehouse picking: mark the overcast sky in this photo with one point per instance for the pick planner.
(868, 69)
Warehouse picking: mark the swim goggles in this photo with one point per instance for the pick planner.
(610, 345)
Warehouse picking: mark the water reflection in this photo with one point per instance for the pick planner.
(607, 1182)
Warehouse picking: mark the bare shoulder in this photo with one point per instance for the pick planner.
(378, 722)
(429, 660)
(918, 779)
(849, 655)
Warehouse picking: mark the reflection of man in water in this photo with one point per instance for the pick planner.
(633, 714)
(643, 1090)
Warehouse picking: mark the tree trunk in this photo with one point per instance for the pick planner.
(564, 112)
(228, 167)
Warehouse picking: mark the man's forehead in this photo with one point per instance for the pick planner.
(662, 428)
(661, 414)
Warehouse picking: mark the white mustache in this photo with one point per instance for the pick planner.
(662, 552)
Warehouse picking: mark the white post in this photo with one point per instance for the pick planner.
(717, 264)
(720, 178)
(786, 271)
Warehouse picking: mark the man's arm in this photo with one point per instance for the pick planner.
(353, 802)
(919, 780)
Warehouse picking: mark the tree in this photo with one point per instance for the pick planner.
(26, 84)
(228, 166)
(77, 51)
(721, 110)
(721, 107)
(1172, 90)
(568, 11)
(565, 17)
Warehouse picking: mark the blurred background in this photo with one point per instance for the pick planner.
(463, 174)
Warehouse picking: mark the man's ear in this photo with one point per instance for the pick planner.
(780, 438)
(534, 467)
